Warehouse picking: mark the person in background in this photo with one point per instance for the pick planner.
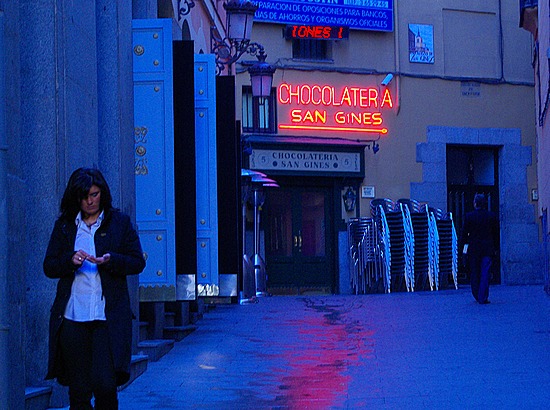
(92, 248)
(480, 235)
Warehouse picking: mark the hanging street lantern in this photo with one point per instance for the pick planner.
(261, 76)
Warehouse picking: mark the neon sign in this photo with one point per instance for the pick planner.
(326, 108)
(317, 32)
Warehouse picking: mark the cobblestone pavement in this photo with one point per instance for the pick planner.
(422, 350)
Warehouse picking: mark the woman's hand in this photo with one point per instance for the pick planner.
(79, 257)
(100, 260)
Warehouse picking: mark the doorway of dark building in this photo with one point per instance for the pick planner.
(472, 169)
(299, 239)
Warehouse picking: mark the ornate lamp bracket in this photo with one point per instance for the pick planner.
(228, 51)
(184, 8)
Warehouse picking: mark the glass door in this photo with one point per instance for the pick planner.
(298, 249)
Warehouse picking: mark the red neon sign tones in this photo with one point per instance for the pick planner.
(328, 108)
(317, 32)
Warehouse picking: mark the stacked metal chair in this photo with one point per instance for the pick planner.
(379, 208)
(455, 254)
(408, 245)
(419, 217)
(448, 250)
(433, 249)
(366, 269)
(404, 245)
(386, 204)
(390, 219)
(420, 257)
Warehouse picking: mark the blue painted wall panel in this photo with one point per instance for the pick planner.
(206, 175)
(154, 156)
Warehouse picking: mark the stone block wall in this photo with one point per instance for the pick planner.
(521, 250)
(69, 103)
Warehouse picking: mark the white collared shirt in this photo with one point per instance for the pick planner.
(86, 302)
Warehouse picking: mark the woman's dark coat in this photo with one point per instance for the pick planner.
(117, 237)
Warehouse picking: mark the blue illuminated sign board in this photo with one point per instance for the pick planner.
(375, 15)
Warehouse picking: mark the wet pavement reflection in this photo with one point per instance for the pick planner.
(324, 347)
(423, 350)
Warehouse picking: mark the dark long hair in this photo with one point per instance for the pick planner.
(77, 189)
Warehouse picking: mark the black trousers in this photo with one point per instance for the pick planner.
(480, 274)
(89, 365)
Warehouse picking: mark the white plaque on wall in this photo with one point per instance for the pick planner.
(367, 191)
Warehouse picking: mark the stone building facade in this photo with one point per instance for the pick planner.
(534, 19)
(462, 87)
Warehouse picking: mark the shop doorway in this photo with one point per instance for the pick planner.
(299, 240)
(471, 170)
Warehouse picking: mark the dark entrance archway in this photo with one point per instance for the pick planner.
(471, 170)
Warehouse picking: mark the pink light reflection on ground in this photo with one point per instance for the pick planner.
(329, 345)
